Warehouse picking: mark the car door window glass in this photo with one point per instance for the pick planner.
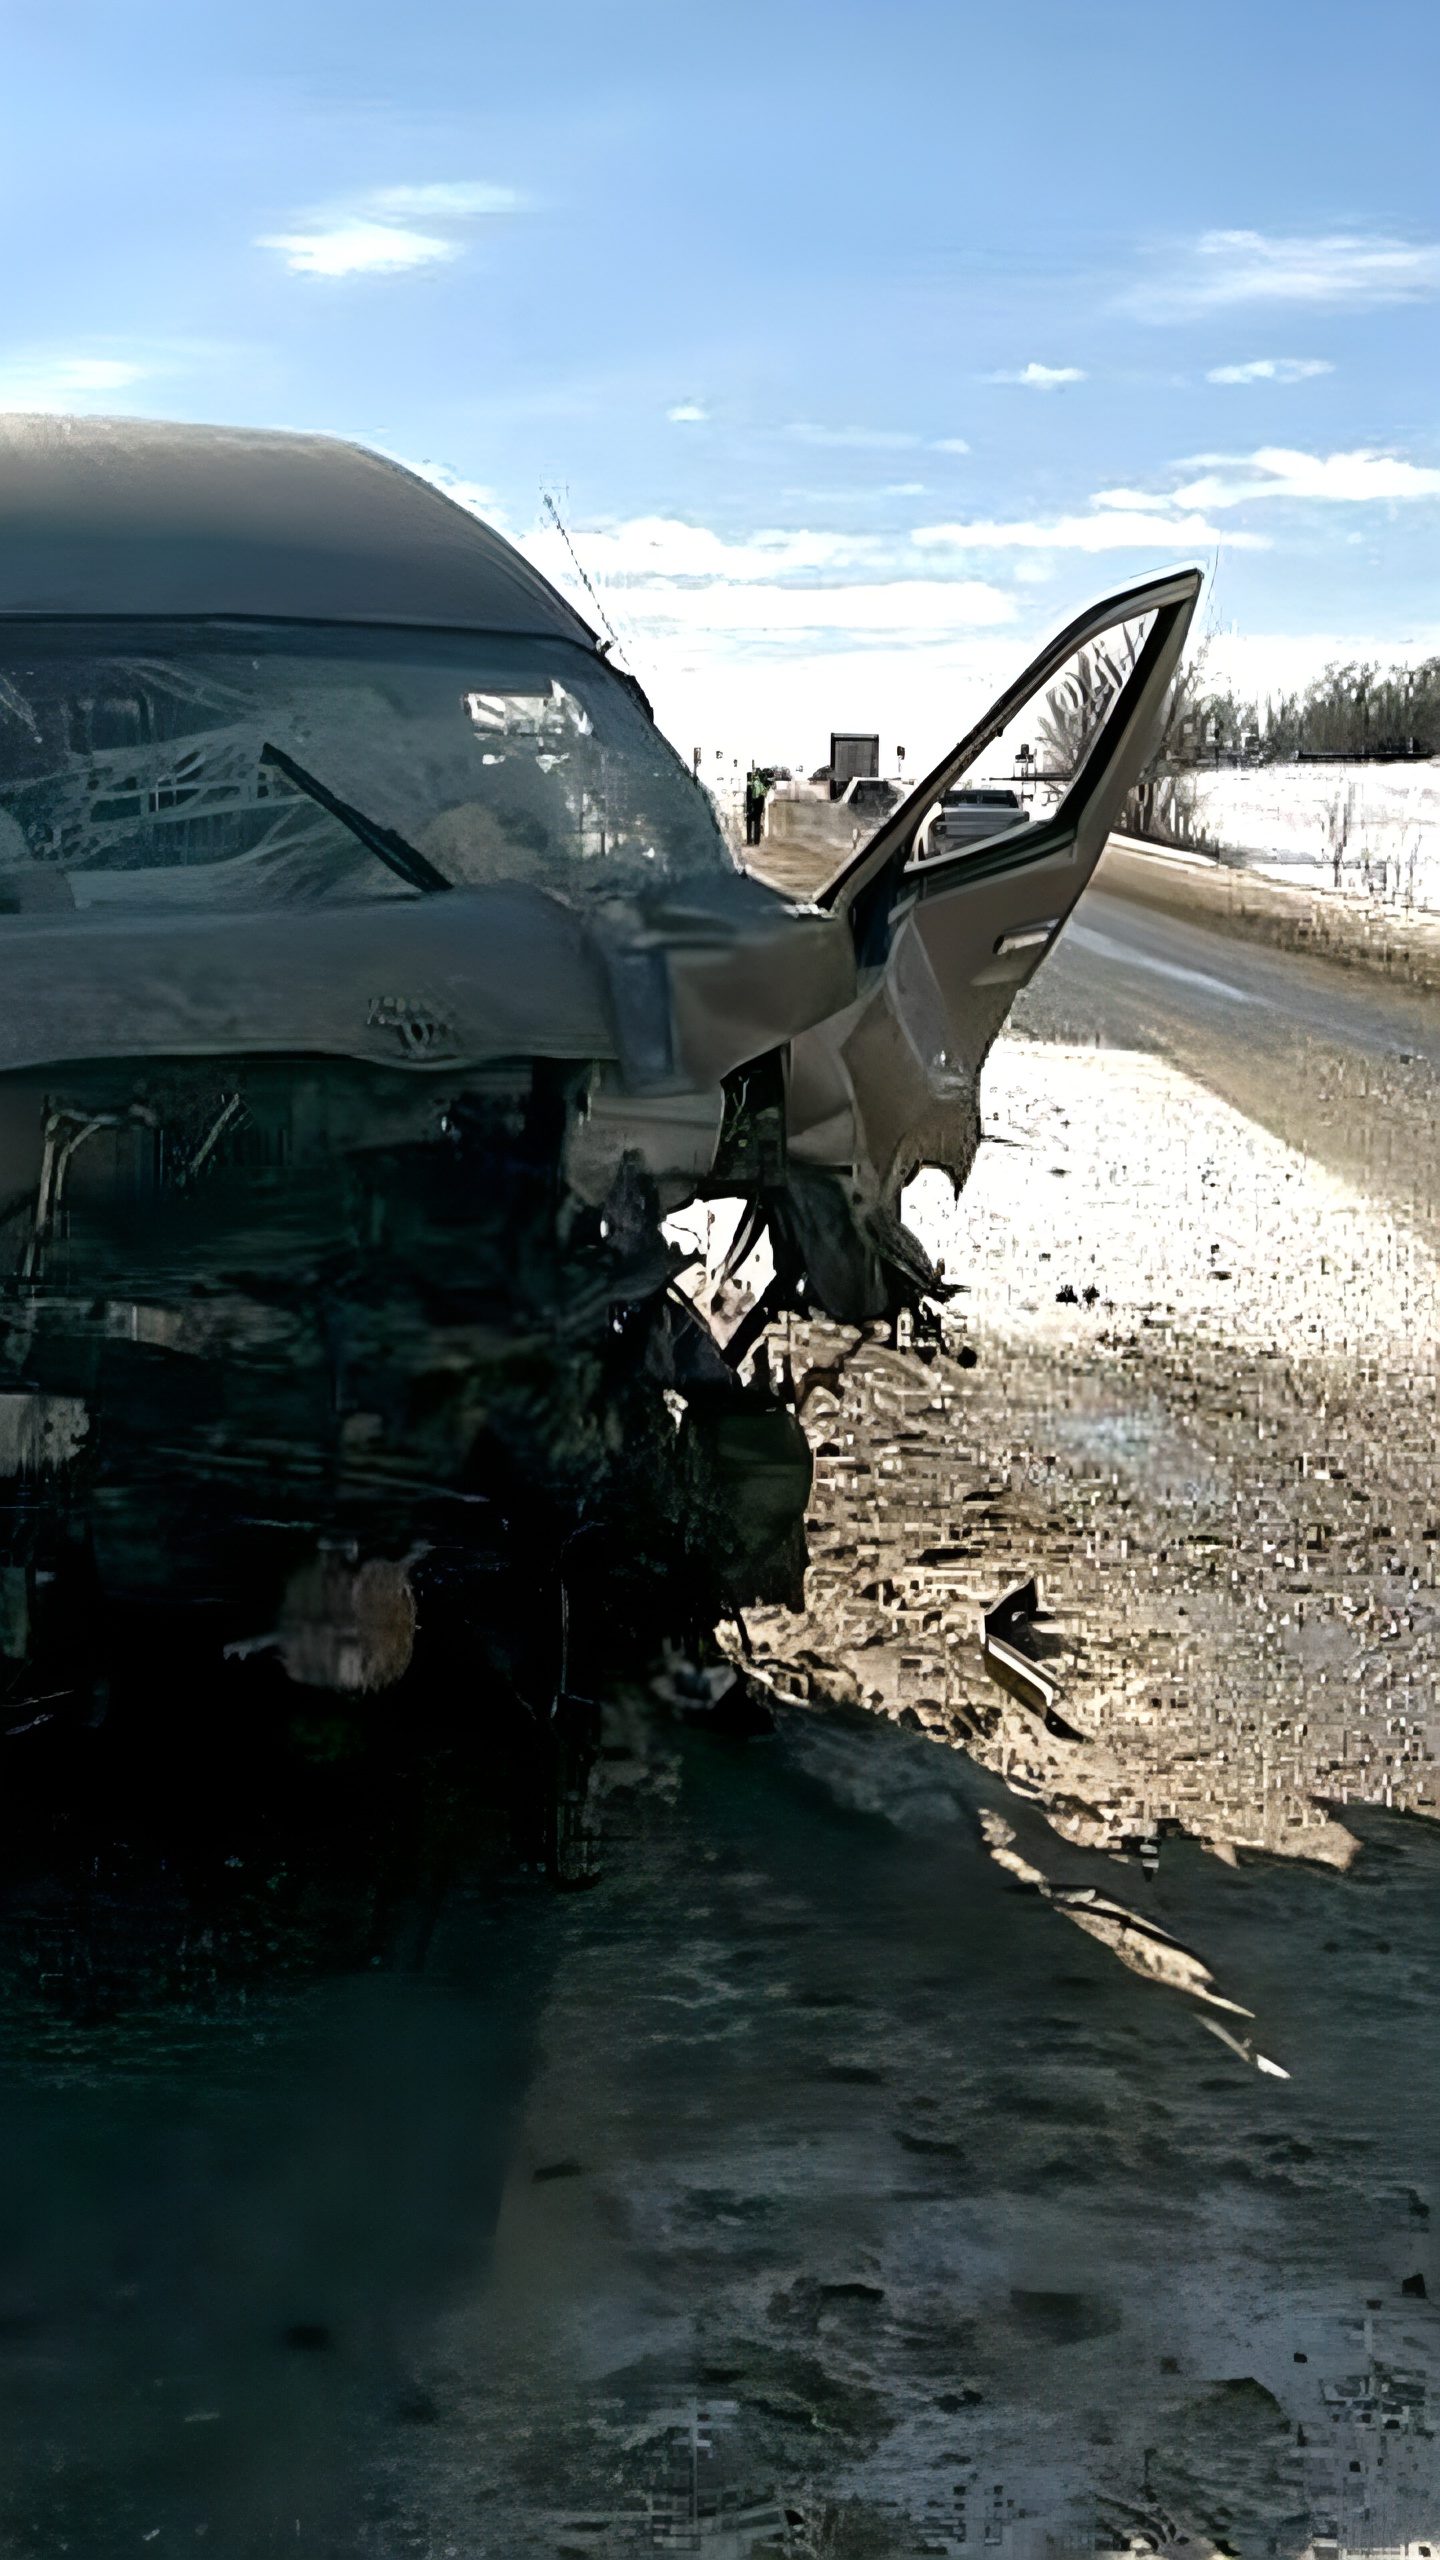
(1021, 776)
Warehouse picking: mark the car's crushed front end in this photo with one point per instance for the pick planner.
(373, 981)
(372, 988)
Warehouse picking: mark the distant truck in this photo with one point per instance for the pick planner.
(854, 757)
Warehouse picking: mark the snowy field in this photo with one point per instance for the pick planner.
(1373, 829)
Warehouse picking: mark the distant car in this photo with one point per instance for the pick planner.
(375, 980)
(868, 795)
(966, 817)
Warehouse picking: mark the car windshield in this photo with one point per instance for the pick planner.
(153, 765)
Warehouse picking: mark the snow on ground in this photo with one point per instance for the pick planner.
(1371, 828)
(1113, 1171)
(1190, 1382)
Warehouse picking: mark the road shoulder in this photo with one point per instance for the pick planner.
(1333, 924)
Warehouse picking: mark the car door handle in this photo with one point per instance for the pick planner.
(1026, 937)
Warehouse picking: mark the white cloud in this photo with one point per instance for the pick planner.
(1139, 527)
(99, 373)
(688, 413)
(375, 234)
(768, 639)
(651, 548)
(670, 584)
(50, 382)
(1129, 501)
(358, 249)
(879, 439)
(1276, 472)
(455, 197)
(900, 608)
(1041, 377)
(1225, 268)
(872, 439)
(1271, 369)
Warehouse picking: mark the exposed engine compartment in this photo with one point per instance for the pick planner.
(298, 1311)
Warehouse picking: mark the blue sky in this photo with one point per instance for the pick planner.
(858, 345)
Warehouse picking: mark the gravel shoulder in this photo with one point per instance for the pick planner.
(1202, 1412)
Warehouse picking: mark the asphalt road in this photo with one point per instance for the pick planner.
(1332, 1060)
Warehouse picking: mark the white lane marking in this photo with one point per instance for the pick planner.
(1106, 947)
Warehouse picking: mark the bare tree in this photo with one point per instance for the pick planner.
(1076, 707)
(1163, 803)
(1339, 819)
(1355, 710)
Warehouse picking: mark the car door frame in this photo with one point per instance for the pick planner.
(943, 945)
(885, 874)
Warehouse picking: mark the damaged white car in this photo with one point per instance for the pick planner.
(375, 981)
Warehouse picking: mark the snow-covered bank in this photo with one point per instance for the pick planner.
(1372, 828)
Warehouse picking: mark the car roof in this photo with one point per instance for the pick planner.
(138, 516)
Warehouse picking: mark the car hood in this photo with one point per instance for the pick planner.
(673, 997)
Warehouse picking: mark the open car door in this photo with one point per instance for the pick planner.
(957, 897)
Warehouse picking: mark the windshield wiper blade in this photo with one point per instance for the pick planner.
(383, 842)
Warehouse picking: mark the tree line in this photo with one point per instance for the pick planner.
(1357, 710)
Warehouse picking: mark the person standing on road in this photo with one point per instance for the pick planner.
(756, 789)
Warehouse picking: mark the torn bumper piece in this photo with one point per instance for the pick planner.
(1005, 1635)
